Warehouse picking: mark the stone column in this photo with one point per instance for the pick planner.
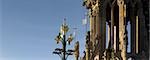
(91, 27)
(97, 21)
(100, 26)
(122, 28)
(98, 31)
(137, 42)
(112, 28)
(87, 53)
(87, 46)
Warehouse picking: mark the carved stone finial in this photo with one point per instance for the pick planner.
(120, 2)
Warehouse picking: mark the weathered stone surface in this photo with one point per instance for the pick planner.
(127, 12)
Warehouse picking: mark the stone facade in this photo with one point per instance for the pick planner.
(117, 14)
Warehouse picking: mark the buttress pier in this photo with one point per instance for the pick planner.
(109, 36)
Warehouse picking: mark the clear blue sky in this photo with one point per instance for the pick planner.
(30, 26)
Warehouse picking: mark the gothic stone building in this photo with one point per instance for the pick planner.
(115, 15)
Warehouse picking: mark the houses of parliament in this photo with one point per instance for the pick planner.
(109, 38)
